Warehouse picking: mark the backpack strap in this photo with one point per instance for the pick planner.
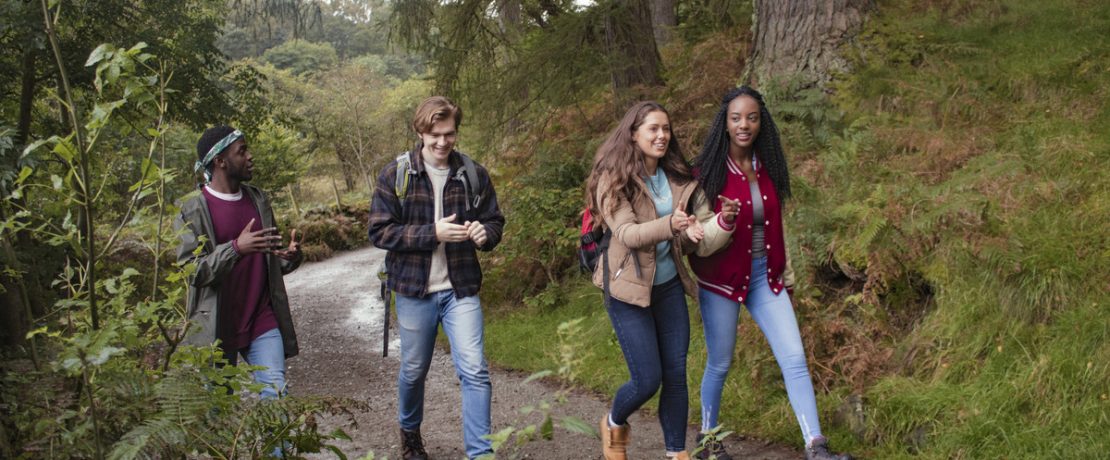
(473, 186)
(603, 249)
(402, 176)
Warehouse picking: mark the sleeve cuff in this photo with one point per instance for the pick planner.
(235, 246)
(724, 225)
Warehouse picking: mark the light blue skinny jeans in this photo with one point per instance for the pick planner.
(775, 316)
(267, 350)
(417, 319)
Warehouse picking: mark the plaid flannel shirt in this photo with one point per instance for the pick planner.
(408, 232)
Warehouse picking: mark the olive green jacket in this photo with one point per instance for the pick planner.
(214, 263)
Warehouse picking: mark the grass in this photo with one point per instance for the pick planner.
(949, 228)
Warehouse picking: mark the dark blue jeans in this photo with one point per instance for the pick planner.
(655, 341)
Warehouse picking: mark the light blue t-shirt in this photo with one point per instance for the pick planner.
(660, 191)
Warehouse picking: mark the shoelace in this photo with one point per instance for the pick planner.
(414, 443)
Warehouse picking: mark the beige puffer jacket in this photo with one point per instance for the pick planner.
(636, 230)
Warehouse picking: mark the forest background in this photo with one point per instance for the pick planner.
(949, 161)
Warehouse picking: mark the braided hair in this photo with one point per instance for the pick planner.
(710, 168)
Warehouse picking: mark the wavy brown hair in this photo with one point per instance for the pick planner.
(621, 163)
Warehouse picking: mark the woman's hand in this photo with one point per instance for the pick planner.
(680, 221)
(729, 209)
(695, 232)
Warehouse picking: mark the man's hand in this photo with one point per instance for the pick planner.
(729, 209)
(446, 232)
(476, 232)
(695, 232)
(250, 242)
(680, 221)
(294, 250)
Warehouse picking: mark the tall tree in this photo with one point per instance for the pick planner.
(798, 39)
(663, 20)
(630, 40)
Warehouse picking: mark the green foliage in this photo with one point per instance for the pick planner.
(119, 382)
(301, 57)
(569, 356)
(545, 202)
(280, 157)
(947, 233)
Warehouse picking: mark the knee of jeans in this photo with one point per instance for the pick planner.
(674, 377)
(794, 365)
(473, 371)
(718, 367)
(647, 385)
(411, 373)
(274, 381)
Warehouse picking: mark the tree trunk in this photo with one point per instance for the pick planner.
(26, 97)
(633, 57)
(663, 21)
(798, 39)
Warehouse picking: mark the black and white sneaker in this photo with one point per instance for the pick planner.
(818, 449)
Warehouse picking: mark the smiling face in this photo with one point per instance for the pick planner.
(439, 141)
(653, 136)
(743, 123)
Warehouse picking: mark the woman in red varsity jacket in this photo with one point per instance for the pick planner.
(743, 174)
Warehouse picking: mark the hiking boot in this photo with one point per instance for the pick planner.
(412, 445)
(680, 456)
(818, 449)
(712, 449)
(614, 441)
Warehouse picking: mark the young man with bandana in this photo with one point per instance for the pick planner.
(432, 222)
(237, 293)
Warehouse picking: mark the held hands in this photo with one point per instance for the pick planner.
(447, 232)
(729, 209)
(294, 250)
(250, 242)
(680, 221)
(695, 232)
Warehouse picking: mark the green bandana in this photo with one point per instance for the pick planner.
(215, 150)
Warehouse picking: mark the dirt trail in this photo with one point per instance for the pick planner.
(338, 316)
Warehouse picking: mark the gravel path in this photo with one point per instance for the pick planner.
(338, 316)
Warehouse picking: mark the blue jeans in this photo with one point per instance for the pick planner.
(417, 319)
(655, 341)
(775, 316)
(268, 350)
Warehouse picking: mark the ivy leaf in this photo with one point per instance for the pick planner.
(104, 355)
(101, 52)
(576, 425)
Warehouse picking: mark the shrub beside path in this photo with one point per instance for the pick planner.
(338, 316)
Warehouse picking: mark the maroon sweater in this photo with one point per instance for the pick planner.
(245, 311)
(728, 272)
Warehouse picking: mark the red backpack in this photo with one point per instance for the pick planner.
(592, 243)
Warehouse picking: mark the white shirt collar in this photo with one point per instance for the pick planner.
(225, 196)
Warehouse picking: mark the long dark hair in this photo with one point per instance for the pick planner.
(621, 163)
(710, 165)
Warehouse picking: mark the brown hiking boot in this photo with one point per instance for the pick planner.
(614, 441)
(681, 456)
(412, 445)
